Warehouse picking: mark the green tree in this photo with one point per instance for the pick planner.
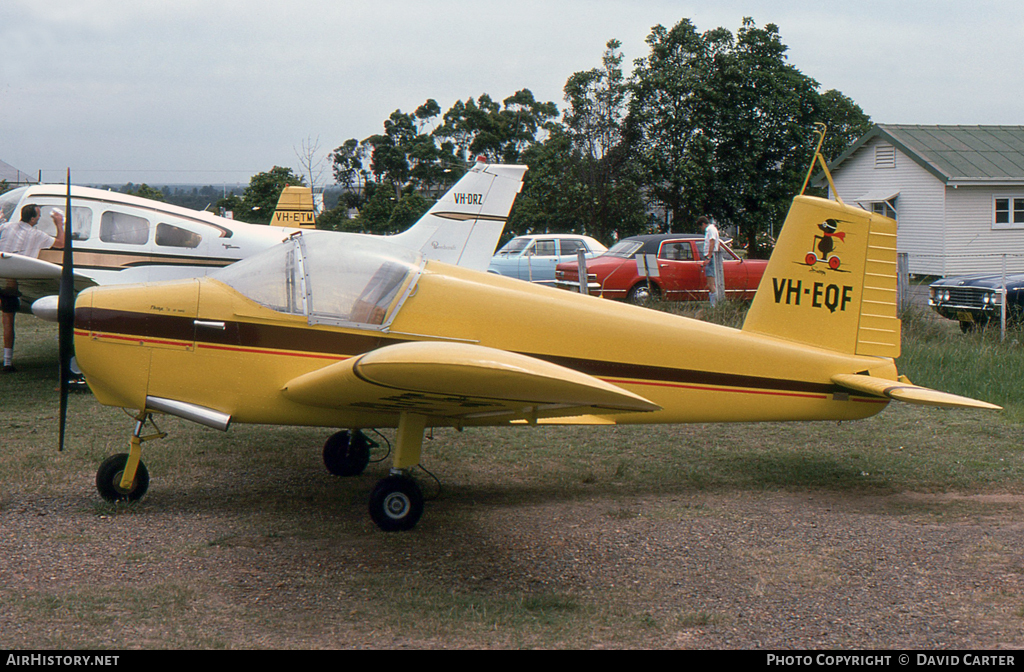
(259, 200)
(499, 132)
(348, 161)
(143, 191)
(724, 125)
(600, 155)
(845, 120)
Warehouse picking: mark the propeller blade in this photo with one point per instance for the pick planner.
(66, 315)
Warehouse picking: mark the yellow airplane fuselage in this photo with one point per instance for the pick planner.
(203, 341)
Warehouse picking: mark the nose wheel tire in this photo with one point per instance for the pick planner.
(396, 504)
(108, 480)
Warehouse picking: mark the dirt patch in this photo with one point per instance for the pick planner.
(695, 570)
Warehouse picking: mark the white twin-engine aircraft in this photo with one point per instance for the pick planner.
(121, 239)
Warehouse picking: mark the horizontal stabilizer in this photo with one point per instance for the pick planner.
(460, 380)
(904, 390)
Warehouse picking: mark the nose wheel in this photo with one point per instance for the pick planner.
(123, 477)
(111, 473)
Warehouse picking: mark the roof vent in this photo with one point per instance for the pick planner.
(885, 156)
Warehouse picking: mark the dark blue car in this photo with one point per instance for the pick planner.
(976, 300)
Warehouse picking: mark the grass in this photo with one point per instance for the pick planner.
(245, 541)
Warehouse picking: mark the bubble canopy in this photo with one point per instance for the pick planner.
(330, 278)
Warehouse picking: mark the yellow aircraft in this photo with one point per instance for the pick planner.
(364, 334)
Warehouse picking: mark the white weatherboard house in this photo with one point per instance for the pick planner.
(956, 191)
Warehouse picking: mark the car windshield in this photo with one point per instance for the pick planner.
(331, 278)
(515, 246)
(624, 248)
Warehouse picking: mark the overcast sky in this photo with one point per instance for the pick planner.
(211, 91)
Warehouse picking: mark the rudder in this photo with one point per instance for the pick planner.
(831, 281)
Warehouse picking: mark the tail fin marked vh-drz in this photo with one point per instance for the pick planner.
(464, 226)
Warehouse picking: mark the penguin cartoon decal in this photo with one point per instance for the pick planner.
(825, 243)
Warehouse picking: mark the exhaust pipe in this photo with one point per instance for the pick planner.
(198, 414)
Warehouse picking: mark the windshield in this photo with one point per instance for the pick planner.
(330, 278)
(515, 246)
(624, 248)
(8, 202)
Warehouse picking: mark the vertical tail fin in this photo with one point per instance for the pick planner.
(464, 226)
(295, 208)
(831, 281)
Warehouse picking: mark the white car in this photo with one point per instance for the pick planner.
(534, 257)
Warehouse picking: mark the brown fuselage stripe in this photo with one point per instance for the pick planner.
(115, 261)
(271, 339)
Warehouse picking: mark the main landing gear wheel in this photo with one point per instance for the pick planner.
(396, 503)
(347, 454)
(108, 480)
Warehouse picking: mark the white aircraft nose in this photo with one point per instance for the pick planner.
(46, 308)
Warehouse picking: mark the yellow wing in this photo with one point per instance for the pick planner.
(460, 380)
(904, 390)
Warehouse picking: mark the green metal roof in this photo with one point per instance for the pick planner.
(955, 154)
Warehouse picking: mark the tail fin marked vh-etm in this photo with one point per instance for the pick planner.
(831, 281)
(295, 208)
(464, 226)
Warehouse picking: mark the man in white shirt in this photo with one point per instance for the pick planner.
(24, 239)
(713, 269)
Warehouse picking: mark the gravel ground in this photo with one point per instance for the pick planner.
(731, 570)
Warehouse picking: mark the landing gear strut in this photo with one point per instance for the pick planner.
(123, 477)
(396, 502)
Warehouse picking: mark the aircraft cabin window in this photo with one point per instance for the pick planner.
(169, 235)
(118, 227)
(271, 278)
(346, 280)
(9, 203)
(356, 281)
(81, 221)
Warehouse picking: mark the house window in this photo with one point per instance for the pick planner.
(1009, 212)
(887, 208)
(885, 156)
